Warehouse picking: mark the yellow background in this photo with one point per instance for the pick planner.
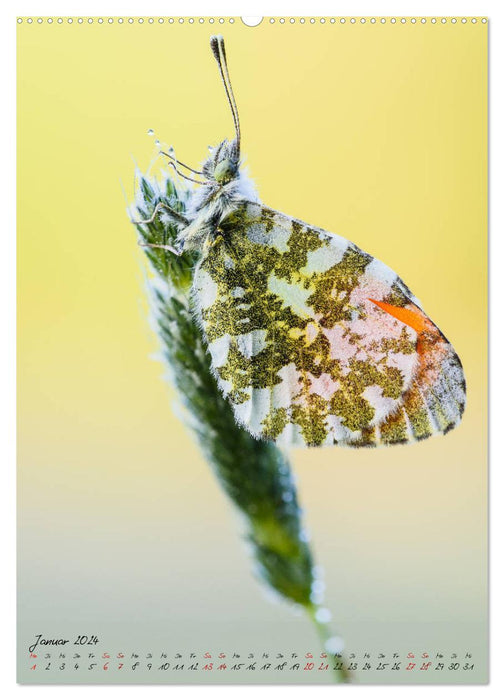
(376, 132)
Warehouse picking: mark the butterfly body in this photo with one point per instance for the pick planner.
(214, 201)
(312, 340)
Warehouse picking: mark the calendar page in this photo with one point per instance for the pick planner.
(252, 350)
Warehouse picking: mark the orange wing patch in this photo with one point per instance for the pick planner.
(413, 318)
(436, 399)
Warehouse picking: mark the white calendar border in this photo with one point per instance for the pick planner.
(495, 12)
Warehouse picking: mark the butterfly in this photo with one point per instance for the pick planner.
(312, 340)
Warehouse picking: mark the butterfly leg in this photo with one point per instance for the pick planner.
(179, 162)
(186, 177)
(163, 247)
(174, 162)
(161, 205)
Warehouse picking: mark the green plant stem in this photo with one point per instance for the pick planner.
(255, 475)
(340, 675)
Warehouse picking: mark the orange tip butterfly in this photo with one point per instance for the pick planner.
(312, 341)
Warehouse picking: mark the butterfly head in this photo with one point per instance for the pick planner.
(223, 164)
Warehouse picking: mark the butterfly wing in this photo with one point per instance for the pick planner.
(315, 342)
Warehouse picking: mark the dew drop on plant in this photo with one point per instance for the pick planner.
(150, 132)
(334, 645)
(323, 615)
(317, 598)
(318, 586)
(304, 536)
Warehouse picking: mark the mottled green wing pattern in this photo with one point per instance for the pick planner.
(315, 342)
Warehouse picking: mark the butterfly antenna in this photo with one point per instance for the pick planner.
(219, 51)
